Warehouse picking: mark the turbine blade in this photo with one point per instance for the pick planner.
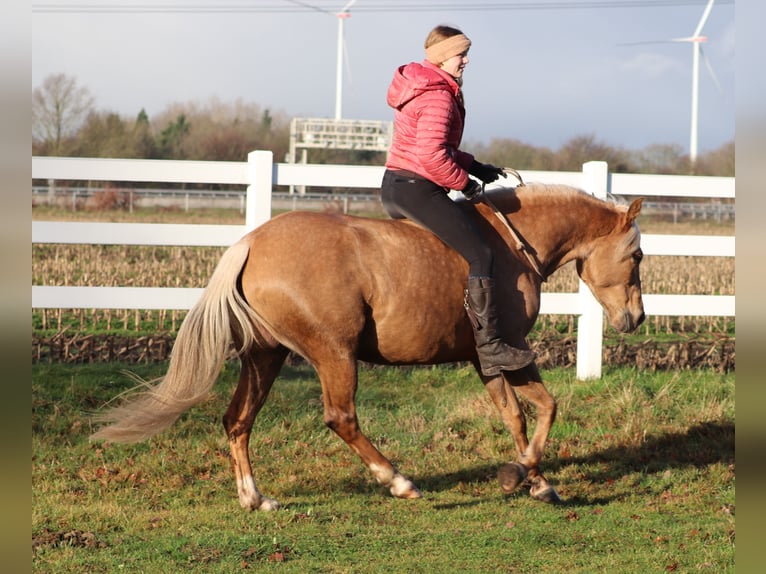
(346, 59)
(347, 6)
(647, 42)
(709, 67)
(310, 6)
(347, 62)
(704, 18)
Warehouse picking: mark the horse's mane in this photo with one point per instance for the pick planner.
(555, 193)
(564, 199)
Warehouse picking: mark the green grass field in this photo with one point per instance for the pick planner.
(643, 460)
(644, 463)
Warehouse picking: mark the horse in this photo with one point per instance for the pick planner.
(339, 289)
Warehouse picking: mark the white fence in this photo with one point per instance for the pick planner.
(260, 174)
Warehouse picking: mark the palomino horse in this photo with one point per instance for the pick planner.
(338, 289)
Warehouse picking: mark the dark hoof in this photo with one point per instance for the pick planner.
(511, 475)
(547, 494)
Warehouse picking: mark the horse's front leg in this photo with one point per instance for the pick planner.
(339, 381)
(529, 453)
(512, 474)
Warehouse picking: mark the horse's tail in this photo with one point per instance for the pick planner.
(200, 349)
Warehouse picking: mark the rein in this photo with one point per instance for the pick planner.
(520, 244)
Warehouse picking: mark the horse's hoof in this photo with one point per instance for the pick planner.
(409, 494)
(403, 488)
(413, 494)
(511, 475)
(268, 504)
(547, 494)
(258, 503)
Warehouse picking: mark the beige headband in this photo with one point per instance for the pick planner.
(444, 50)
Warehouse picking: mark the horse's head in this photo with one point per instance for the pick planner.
(611, 271)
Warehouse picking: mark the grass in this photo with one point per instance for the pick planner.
(643, 462)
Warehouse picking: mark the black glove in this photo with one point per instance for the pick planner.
(485, 171)
(472, 190)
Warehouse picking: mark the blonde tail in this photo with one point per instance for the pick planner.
(200, 349)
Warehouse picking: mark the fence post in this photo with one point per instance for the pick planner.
(260, 174)
(590, 324)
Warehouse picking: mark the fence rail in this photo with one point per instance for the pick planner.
(232, 198)
(260, 174)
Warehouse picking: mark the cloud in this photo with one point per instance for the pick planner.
(727, 41)
(652, 65)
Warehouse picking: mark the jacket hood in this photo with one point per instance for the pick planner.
(414, 78)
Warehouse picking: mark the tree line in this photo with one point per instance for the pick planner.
(66, 122)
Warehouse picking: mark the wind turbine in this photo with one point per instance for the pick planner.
(696, 40)
(342, 16)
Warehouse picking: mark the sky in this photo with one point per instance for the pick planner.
(542, 72)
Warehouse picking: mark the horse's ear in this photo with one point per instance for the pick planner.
(633, 211)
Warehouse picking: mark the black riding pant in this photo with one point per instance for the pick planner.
(407, 195)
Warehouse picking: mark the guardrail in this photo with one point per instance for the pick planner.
(260, 174)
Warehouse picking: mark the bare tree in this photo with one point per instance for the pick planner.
(58, 108)
(584, 148)
(718, 162)
(667, 159)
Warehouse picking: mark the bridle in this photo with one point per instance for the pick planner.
(521, 245)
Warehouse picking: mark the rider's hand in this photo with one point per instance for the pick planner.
(472, 190)
(486, 172)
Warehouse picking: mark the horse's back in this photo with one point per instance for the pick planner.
(387, 289)
(321, 246)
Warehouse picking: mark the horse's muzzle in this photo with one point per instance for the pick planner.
(629, 322)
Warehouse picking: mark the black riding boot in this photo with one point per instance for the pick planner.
(494, 354)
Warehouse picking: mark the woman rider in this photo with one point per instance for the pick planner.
(425, 162)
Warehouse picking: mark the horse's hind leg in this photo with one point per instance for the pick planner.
(339, 382)
(258, 371)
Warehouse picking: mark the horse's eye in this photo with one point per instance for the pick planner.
(638, 255)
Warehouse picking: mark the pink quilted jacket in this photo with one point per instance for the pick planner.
(428, 125)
